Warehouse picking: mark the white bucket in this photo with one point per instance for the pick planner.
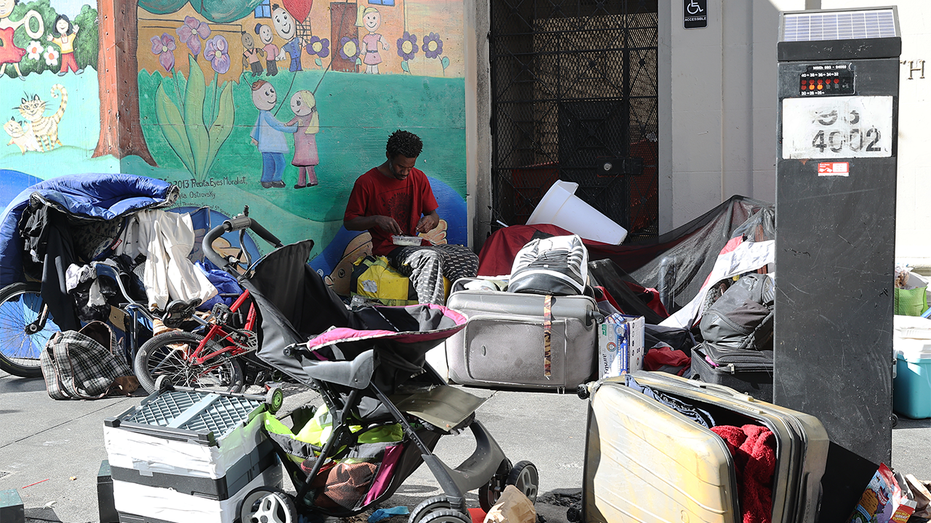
(560, 206)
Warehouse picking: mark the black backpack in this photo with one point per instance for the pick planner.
(742, 318)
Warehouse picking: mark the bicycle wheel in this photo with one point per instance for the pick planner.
(25, 328)
(166, 354)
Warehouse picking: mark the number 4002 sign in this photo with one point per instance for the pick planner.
(837, 127)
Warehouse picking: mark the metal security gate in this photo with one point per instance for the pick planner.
(574, 98)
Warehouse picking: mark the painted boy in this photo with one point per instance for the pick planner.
(268, 134)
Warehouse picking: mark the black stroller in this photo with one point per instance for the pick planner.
(384, 409)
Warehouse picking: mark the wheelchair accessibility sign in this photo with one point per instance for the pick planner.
(695, 13)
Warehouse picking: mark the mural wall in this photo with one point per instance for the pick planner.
(279, 105)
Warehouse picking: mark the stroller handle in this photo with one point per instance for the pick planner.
(235, 223)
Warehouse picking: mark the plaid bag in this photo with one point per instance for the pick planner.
(82, 364)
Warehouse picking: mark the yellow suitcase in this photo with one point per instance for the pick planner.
(647, 458)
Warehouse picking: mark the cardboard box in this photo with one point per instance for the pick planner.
(620, 345)
(887, 498)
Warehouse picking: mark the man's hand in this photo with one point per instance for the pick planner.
(428, 222)
(388, 224)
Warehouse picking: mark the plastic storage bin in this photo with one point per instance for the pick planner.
(911, 388)
(188, 455)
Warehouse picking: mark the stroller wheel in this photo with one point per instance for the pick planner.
(428, 506)
(163, 383)
(489, 493)
(447, 516)
(274, 399)
(267, 505)
(525, 477)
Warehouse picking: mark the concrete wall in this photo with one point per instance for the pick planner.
(720, 136)
(913, 200)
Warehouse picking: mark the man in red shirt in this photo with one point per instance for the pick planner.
(395, 199)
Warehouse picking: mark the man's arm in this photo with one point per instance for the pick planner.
(364, 223)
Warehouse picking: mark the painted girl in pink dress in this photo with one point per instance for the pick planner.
(304, 106)
(9, 53)
(371, 20)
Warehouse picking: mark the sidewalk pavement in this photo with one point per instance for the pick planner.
(51, 451)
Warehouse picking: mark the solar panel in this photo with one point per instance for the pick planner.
(838, 25)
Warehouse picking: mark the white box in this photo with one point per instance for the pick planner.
(620, 345)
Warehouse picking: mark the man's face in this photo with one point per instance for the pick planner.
(400, 166)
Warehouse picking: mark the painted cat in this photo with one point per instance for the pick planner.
(20, 137)
(44, 128)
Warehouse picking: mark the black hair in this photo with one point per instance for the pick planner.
(403, 143)
(70, 29)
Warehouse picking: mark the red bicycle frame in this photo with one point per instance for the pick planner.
(218, 334)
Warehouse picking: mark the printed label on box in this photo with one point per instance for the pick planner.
(620, 345)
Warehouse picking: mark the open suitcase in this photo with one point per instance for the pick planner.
(503, 345)
(648, 459)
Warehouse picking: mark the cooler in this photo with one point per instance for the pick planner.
(189, 455)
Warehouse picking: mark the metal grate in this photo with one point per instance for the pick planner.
(194, 411)
(846, 25)
(574, 92)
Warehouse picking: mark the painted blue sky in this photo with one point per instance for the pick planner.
(69, 7)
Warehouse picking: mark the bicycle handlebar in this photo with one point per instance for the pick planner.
(236, 223)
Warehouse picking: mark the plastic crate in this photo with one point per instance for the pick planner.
(188, 455)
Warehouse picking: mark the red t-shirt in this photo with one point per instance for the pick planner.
(404, 200)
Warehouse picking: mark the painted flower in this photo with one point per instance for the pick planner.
(35, 50)
(217, 51)
(191, 32)
(348, 47)
(407, 46)
(164, 48)
(51, 56)
(432, 45)
(318, 46)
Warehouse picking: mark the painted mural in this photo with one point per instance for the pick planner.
(49, 92)
(276, 104)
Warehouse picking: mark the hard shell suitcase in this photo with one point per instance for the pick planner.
(504, 343)
(748, 371)
(648, 459)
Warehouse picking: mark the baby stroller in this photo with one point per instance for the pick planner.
(383, 409)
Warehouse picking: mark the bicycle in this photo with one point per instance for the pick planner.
(25, 327)
(202, 361)
(211, 359)
(26, 324)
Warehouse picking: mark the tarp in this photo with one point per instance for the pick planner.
(675, 263)
(94, 196)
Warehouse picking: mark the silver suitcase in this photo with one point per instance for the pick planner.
(503, 345)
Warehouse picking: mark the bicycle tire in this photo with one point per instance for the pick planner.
(160, 356)
(21, 307)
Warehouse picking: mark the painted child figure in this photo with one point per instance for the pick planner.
(268, 134)
(371, 20)
(271, 50)
(286, 27)
(63, 35)
(251, 57)
(304, 106)
(9, 52)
